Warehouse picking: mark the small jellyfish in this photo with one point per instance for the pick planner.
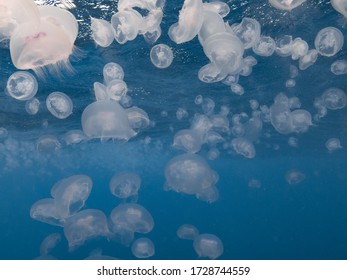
(290, 83)
(143, 248)
(112, 71)
(286, 5)
(334, 98)
(44, 210)
(186, 28)
(102, 32)
(188, 140)
(218, 7)
(106, 119)
(85, 225)
(187, 231)
(301, 120)
(284, 45)
(340, 6)
(32, 106)
(294, 177)
(299, 48)
(243, 147)
(161, 56)
(237, 89)
(116, 89)
(333, 144)
(59, 105)
(308, 59)
(22, 86)
(339, 67)
(329, 41)
(248, 32)
(74, 136)
(100, 91)
(124, 185)
(210, 73)
(181, 113)
(265, 46)
(138, 118)
(48, 144)
(49, 243)
(208, 246)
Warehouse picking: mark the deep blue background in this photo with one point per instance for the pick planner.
(275, 221)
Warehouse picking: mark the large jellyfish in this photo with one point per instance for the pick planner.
(106, 119)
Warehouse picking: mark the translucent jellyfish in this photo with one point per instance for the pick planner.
(151, 22)
(248, 32)
(189, 174)
(49, 243)
(116, 89)
(301, 120)
(61, 18)
(293, 142)
(102, 32)
(237, 89)
(210, 73)
(334, 98)
(85, 225)
(152, 37)
(308, 59)
(44, 210)
(106, 119)
(333, 144)
(265, 46)
(284, 45)
(59, 105)
(339, 67)
(138, 118)
(126, 25)
(143, 248)
(212, 24)
(207, 106)
(294, 177)
(208, 246)
(189, 22)
(290, 83)
(33, 46)
(32, 106)
(329, 41)
(161, 56)
(201, 123)
(48, 144)
(220, 123)
(100, 91)
(340, 6)
(124, 185)
(126, 102)
(280, 115)
(299, 48)
(286, 5)
(16, 12)
(187, 231)
(208, 195)
(112, 71)
(74, 136)
(181, 113)
(219, 7)
(243, 147)
(21, 85)
(188, 140)
(71, 193)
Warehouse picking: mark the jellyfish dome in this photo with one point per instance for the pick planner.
(161, 56)
(85, 225)
(22, 85)
(102, 32)
(285, 4)
(329, 41)
(59, 105)
(106, 119)
(190, 174)
(143, 248)
(208, 246)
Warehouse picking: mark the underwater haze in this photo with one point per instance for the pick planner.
(210, 154)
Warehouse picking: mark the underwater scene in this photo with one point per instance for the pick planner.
(177, 129)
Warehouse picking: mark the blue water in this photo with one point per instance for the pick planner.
(274, 221)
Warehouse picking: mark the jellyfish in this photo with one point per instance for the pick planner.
(143, 248)
(188, 140)
(49, 243)
(189, 22)
(284, 45)
(301, 120)
(286, 5)
(294, 177)
(21, 85)
(116, 89)
(161, 56)
(187, 231)
(85, 225)
(112, 71)
(100, 91)
(248, 31)
(237, 89)
(329, 41)
(308, 59)
(299, 48)
(208, 246)
(339, 67)
(334, 98)
(333, 144)
(74, 136)
(70, 194)
(244, 147)
(59, 105)
(138, 118)
(32, 106)
(124, 185)
(340, 6)
(16, 12)
(106, 119)
(218, 7)
(102, 32)
(265, 46)
(48, 144)
(44, 210)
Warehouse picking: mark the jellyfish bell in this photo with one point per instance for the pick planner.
(102, 32)
(106, 119)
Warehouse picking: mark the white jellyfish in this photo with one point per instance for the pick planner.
(48, 144)
(116, 89)
(49, 243)
(138, 118)
(334, 98)
(161, 56)
(106, 119)
(265, 46)
(32, 106)
(44, 210)
(74, 136)
(248, 32)
(188, 140)
(333, 144)
(299, 48)
(21, 85)
(329, 41)
(243, 147)
(124, 185)
(59, 104)
(100, 91)
(294, 177)
(85, 225)
(219, 7)
(143, 248)
(286, 5)
(340, 6)
(208, 246)
(284, 45)
(339, 67)
(112, 71)
(102, 32)
(187, 231)
(308, 59)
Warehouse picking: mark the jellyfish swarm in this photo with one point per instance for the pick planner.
(47, 42)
